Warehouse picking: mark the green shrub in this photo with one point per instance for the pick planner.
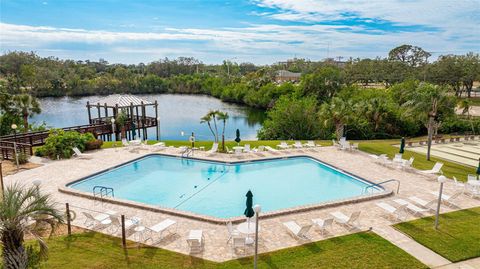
(94, 144)
(59, 144)
(22, 158)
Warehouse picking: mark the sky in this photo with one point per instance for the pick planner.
(257, 31)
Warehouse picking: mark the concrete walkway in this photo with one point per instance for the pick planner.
(421, 253)
(468, 264)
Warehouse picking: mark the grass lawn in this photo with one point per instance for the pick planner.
(386, 147)
(457, 237)
(361, 250)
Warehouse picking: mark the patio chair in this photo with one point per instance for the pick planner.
(232, 232)
(458, 184)
(311, 144)
(425, 204)
(354, 146)
(323, 224)
(101, 219)
(435, 170)
(158, 146)
(130, 223)
(296, 230)
(159, 229)
(77, 153)
(350, 222)
(298, 145)
(283, 145)
(397, 212)
(415, 210)
(268, 148)
(246, 148)
(448, 199)
(195, 241)
(407, 164)
(471, 177)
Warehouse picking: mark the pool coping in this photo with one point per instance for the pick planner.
(215, 220)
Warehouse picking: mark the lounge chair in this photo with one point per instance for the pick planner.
(435, 170)
(354, 146)
(158, 146)
(99, 219)
(458, 184)
(407, 164)
(397, 212)
(471, 177)
(311, 144)
(195, 241)
(130, 223)
(213, 150)
(425, 204)
(77, 153)
(296, 230)
(323, 224)
(448, 199)
(341, 218)
(298, 145)
(232, 232)
(160, 228)
(415, 210)
(246, 148)
(283, 145)
(268, 148)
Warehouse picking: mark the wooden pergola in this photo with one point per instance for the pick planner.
(134, 107)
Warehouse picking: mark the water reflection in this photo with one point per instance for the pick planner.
(177, 112)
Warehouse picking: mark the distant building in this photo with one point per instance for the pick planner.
(287, 76)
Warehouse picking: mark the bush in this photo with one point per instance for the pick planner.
(94, 144)
(60, 143)
(22, 158)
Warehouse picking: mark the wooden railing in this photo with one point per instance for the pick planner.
(7, 149)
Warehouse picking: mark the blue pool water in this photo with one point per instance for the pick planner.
(218, 189)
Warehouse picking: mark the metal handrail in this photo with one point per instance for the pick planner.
(187, 152)
(383, 182)
(104, 191)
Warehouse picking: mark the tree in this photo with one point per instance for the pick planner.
(223, 116)
(337, 112)
(425, 102)
(292, 117)
(323, 83)
(207, 119)
(23, 211)
(413, 55)
(27, 106)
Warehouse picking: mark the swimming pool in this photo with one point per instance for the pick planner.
(218, 189)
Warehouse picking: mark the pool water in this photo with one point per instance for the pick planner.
(218, 189)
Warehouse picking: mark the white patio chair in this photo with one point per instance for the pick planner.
(298, 145)
(213, 150)
(415, 210)
(311, 144)
(130, 223)
(195, 241)
(471, 177)
(77, 153)
(350, 222)
(397, 212)
(232, 232)
(430, 205)
(435, 170)
(283, 145)
(448, 199)
(160, 228)
(323, 224)
(459, 185)
(246, 148)
(158, 146)
(407, 164)
(296, 230)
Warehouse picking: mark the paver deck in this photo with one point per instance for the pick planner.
(273, 234)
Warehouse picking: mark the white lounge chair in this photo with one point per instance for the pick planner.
(283, 145)
(407, 164)
(311, 144)
(471, 177)
(350, 222)
(435, 170)
(213, 150)
(247, 149)
(268, 148)
(354, 146)
(458, 184)
(158, 146)
(323, 224)
(397, 212)
(232, 232)
(99, 219)
(77, 153)
(298, 145)
(296, 230)
(160, 228)
(415, 210)
(425, 204)
(448, 199)
(130, 223)
(195, 241)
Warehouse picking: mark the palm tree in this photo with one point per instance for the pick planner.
(465, 105)
(424, 103)
(214, 113)
(207, 119)
(223, 116)
(337, 112)
(22, 210)
(27, 105)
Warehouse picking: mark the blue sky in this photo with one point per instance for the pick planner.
(259, 31)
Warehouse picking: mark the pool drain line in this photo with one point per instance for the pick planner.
(206, 186)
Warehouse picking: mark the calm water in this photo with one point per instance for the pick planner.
(218, 189)
(177, 112)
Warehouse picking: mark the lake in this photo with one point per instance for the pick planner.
(178, 113)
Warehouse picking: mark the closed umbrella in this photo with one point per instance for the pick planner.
(249, 210)
(134, 133)
(237, 139)
(402, 145)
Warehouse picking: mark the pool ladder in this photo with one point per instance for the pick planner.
(100, 192)
(187, 152)
(383, 182)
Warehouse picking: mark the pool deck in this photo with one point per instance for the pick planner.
(273, 235)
